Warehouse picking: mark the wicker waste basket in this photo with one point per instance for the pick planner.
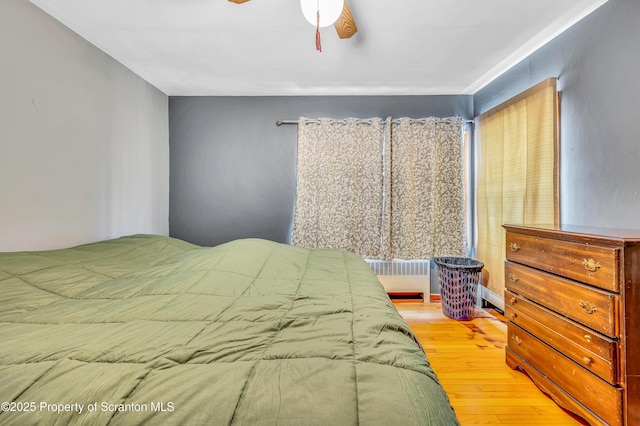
(458, 278)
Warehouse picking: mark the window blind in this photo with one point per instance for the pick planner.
(517, 172)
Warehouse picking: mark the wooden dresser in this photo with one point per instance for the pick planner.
(572, 299)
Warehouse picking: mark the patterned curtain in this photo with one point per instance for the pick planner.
(340, 186)
(427, 194)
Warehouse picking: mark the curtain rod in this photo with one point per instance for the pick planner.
(288, 122)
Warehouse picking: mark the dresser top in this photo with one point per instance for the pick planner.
(585, 234)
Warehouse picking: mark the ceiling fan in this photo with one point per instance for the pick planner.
(319, 13)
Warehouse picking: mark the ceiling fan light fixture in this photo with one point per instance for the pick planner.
(330, 11)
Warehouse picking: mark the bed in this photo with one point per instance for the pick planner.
(149, 329)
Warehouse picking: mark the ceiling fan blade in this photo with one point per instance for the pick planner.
(238, 1)
(345, 25)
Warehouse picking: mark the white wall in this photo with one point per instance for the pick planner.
(84, 142)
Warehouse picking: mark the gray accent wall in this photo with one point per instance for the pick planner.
(233, 171)
(84, 142)
(598, 65)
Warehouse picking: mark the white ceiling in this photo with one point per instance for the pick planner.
(266, 47)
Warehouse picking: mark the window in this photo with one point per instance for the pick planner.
(517, 173)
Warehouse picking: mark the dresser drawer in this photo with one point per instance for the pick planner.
(594, 265)
(593, 351)
(594, 308)
(559, 395)
(604, 399)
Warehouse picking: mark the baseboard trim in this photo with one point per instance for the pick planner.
(491, 297)
(405, 296)
(399, 297)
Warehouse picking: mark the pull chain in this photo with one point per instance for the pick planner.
(318, 44)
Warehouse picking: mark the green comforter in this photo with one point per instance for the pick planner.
(149, 329)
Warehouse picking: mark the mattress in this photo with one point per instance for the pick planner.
(153, 330)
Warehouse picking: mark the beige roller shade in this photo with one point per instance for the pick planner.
(517, 172)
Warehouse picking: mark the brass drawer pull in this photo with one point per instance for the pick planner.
(513, 300)
(513, 277)
(587, 307)
(514, 247)
(587, 337)
(591, 265)
(516, 340)
(587, 360)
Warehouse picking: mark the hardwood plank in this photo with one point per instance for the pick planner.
(469, 360)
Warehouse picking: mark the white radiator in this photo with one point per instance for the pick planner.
(404, 276)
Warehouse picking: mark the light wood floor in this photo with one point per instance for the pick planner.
(468, 358)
